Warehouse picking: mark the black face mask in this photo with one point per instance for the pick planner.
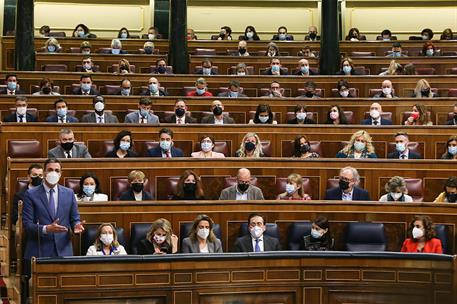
(309, 94)
(312, 35)
(305, 148)
(189, 188)
(123, 67)
(243, 187)
(180, 112)
(217, 111)
(137, 187)
(67, 146)
(425, 92)
(242, 50)
(36, 181)
(46, 90)
(451, 197)
(455, 116)
(161, 70)
(249, 146)
(148, 50)
(344, 185)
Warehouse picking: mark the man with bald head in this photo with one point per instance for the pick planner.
(303, 68)
(375, 116)
(242, 190)
(312, 34)
(217, 118)
(242, 48)
(387, 90)
(153, 88)
(348, 189)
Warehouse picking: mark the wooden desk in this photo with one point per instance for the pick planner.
(247, 278)
(174, 84)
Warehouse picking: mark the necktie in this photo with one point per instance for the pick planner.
(60, 119)
(168, 154)
(375, 122)
(179, 121)
(257, 247)
(403, 156)
(100, 119)
(52, 204)
(68, 154)
(21, 118)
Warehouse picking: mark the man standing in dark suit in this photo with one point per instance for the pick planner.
(68, 148)
(375, 116)
(401, 148)
(85, 86)
(12, 86)
(165, 148)
(217, 118)
(21, 114)
(100, 115)
(256, 240)
(453, 121)
(348, 189)
(61, 116)
(180, 116)
(35, 177)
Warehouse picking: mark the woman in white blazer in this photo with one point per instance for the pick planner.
(89, 189)
(106, 242)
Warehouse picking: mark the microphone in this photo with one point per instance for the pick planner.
(38, 238)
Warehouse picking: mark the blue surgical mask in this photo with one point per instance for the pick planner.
(206, 71)
(115, 51)
(81, 34)
(62, 112)
(282, 36)
(275, 68)
(12, 85)
(165, 145)
(206, 146)
(200, 91)
(89, 190)
(452, 150)
(233, 94)
(304, 69)
(359, 146)
(123, 35)
(315, 234)
(396, 54)
(86, 87)
(400, 147)
(51, 48)
(124, 145)
(153, 87)
(263, 119)
(347, 69)
(125, 92)
(143, 112)
(290, 188)
(429, 52)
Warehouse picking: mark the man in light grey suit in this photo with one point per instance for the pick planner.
(99, 116)
(218, 118)
(68, 148)
(143, 115)
(243, 190)
(234, 90)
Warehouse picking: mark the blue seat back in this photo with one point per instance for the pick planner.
(441, 232)
(137, 233)
(363, 236)
(295, 234)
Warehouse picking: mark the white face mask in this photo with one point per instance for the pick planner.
(21, 110)
(387, 91)
(159, 239)
(99, 106)
(315, 234)
(396, 195)
(256, 232)
(290, 189)
(375, 114)
(203, 233)
(344, 93)
(417, 233)
(241, 73)
(301, 116)
(52, 178)
(106, 238)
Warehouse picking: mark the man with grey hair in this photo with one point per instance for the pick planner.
(116, 47)
(243, 189)
(347, 189)
(67, 147)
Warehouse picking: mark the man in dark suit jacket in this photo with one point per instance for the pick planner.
(401, 148)
(217, 117)
(375, 116)
(100, 115)
(234, 90)
(68, 148)
(35, 177)
(21, 114)
(12, 86)
(303, 68)
(87, 66)
(206, 69)
(256, 240)
(61, 108)
(85, 86)
(454, 120)
(165, 148)
(180, 116)
(275, 68)
(347, 190)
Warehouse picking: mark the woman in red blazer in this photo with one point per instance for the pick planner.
(421, 237)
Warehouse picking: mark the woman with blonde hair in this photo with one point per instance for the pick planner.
(294, 189)
(106, 242)
(396, 191)
(423, 89)
(52, 46)
(419, 116)
(359, 146)
(201, 237)
(159, 239)
(393, 69)
(250, 146)
(124, 66)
